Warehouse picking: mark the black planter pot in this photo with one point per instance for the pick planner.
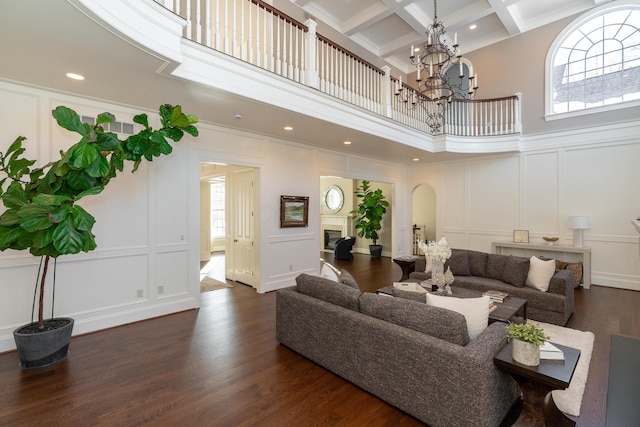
(44, 349)
(375, 251)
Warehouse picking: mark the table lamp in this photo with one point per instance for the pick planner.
(578, 224)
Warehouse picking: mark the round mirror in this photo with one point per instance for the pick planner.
(333, 199)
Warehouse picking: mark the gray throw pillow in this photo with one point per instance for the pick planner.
(347, 279)
(478, 263)
(495, 266)
(515, 271)
(459, 263)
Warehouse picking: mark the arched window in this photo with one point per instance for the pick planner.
(594, 64)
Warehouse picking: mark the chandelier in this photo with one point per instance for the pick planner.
(434, 89)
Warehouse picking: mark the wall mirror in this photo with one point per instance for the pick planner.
(333, 199)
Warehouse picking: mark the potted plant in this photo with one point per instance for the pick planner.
(527, 338)
(41, 211)
(368, 216)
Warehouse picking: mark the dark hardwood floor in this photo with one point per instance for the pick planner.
(221, 366)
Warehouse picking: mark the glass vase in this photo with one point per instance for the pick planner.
(437, 274)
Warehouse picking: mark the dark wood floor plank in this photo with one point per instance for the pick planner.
(221, 366)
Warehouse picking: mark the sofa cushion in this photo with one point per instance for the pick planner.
(475, 310)
(515, 271)
(478, 263)
(540, 273)
(347, 279)
(495, 266)
(458, 262)
(437, 322)
(328, 290)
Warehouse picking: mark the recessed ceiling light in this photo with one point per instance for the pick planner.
(347, 143)
(75, 76)
(288, 128)
(416, 159)
(237, 116)
(473, 26)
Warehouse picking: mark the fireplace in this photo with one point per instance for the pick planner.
(331, 237)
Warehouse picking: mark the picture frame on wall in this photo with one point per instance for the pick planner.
(520, 236)
(294, 211)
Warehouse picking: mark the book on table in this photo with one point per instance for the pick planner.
(549, 351)
(497, 296)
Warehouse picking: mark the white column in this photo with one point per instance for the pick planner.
(310, 59)
(386, 92)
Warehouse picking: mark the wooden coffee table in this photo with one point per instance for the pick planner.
(503, 313)
(537, 382)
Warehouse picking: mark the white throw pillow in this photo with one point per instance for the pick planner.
(474, 310)
(330, 272)
(540, 273)
(428, 266)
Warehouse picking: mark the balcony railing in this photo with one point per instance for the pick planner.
(255, 32)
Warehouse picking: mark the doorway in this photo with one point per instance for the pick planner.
(228, 221)
(423, 215)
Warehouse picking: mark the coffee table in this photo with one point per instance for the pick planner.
(503, 313)
(537, 382)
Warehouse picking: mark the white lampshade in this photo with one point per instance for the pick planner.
(578, 222)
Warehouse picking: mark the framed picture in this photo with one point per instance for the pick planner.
(520, 236)
(294, 211)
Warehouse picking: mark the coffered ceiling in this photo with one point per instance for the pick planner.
(388, 28)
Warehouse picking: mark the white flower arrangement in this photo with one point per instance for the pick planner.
(438, 251)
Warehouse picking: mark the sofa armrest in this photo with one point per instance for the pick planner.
(562, 284)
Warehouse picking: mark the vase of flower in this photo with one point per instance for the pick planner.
(437, 272)
(438, 253)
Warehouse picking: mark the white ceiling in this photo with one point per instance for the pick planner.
(388, 28)
(38, 48)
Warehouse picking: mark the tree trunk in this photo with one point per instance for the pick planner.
(41, 299)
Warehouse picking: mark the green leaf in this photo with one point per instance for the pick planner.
(141, 119)
(51, 199)
(191, 130)
(90, 192)
(108, 141)
(105, 118)
(82, 220)
(35, 217)
(10, 218)
(100, 167)
(59, 214)
(174, 133)
(8, 236)
(42, 238)
(165, 114)
(192, 118)
(160, 146)
(178, 118)
(84, 155)
(68, 119)
(80, 180)
(15, 146)
(67, 239)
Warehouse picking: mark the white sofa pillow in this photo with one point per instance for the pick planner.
(540, 273)
(330, 272)
(474, 310)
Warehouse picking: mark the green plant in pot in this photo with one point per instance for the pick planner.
(42, 214)
(368, 215)
(527, 338)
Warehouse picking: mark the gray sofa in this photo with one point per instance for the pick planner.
(482, 271)
(416, 357)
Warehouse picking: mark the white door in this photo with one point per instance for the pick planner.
(243, 240)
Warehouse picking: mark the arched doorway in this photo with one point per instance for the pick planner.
(423, 215)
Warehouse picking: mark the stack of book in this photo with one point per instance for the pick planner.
(496, 296)
(549, 351)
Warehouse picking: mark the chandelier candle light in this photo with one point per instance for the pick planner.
(434, 89)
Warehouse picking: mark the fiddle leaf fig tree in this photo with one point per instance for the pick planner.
(42, 214)
(370, 211)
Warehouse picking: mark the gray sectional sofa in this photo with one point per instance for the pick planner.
(416, 357)
(482, 271)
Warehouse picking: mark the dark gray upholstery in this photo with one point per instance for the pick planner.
(346, 278)
(328, 290)
(440, 383)
(554, 306)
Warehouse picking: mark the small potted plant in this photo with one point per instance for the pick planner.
(527, 338)
(41, 213)
(368, 216)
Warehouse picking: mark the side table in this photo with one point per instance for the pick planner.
(549, 375)
(407, 264)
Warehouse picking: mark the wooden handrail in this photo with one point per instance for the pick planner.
(349, 53)
(279, 14)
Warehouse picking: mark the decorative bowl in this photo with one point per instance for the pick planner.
(550, 240)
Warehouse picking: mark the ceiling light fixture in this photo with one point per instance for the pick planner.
(473, 26)
(288, 128)
(436, 90)
(347, 143)
(75, 76)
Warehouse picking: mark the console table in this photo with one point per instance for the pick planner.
(550, 251)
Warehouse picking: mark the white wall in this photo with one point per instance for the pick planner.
(590, 172)
(148, 228)
(424, 211)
